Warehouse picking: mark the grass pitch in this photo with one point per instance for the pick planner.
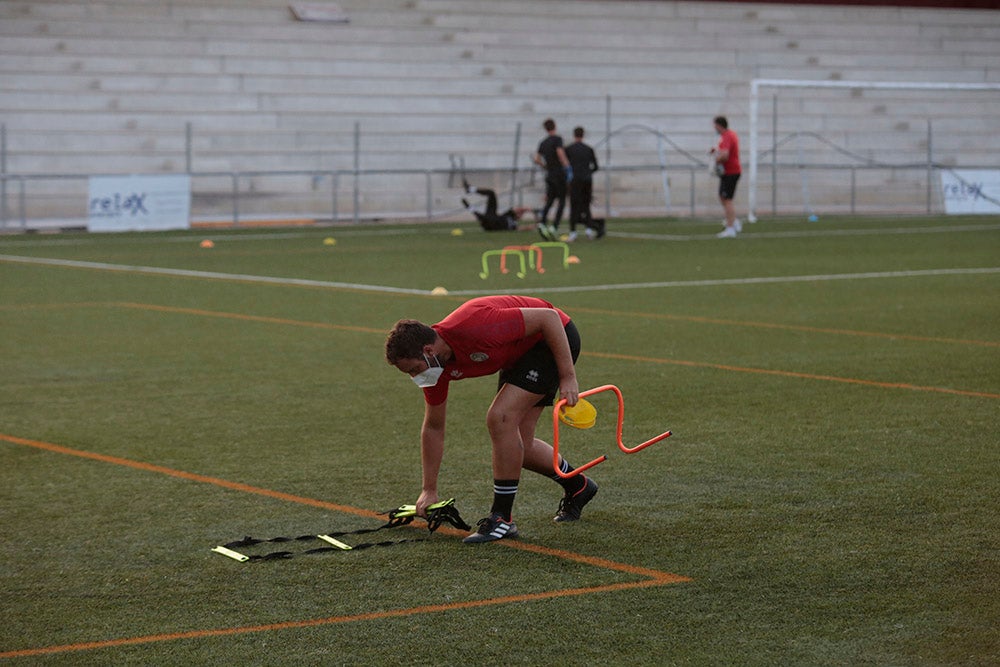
(828, 497)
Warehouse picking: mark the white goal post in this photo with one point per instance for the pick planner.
(757, 84)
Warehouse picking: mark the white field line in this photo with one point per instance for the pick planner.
(750, 233)
(235, 277)
(300, 282)
(742, 281)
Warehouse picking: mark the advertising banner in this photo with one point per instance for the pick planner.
(971, 191)
(139, 203)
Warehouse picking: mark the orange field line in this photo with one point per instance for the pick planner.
(248, 318)
(795, 374)
(789, 327)
(607, 355)
(322, 504)
(598, 311)
(194, 477)
(627, 357)
(332, 620)
(653, 577)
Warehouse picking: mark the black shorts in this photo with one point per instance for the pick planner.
(537, 372)
(555, 186)
(727, 186)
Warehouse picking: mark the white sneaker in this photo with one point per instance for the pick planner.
(727, 233)
(571, 237)
(590, 233)
(738, 224)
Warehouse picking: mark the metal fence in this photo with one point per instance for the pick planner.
(34, 202)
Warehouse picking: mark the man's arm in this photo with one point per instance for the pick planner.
(722, 152)
(547, 322)
(561, 154)
(431, 454)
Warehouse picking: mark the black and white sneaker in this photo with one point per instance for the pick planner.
(492, 528)
(571, 505)
(599, 223)
(546, 232)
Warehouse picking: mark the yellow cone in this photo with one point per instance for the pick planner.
(581, 415)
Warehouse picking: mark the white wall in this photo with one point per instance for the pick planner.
(108, 86)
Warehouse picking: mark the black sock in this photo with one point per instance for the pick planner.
(504, 491)
(573, 485)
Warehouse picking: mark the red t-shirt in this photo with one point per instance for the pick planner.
(485, 335)
(728, 141)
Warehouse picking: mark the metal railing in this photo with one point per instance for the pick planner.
(352, 196)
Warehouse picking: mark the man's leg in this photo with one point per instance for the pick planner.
(507, 411)
(550, 197)
(586, 219)
(730, 231)
(587, 197)
(578, 490)
(730, 210)
(511, 421)
(561, 199)
(727, 190)
(575, 208)
(491, 201)
(511, 407)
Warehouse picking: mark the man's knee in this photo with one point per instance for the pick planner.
(501, 419)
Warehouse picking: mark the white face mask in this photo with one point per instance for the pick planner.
(429, 377)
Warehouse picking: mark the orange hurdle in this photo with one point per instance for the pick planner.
(534, 260)
(599, 459)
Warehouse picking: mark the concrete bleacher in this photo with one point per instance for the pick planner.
(112, 86)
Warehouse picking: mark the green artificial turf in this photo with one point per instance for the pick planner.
(828, 497)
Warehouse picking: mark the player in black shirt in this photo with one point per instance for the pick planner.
(583, 163)
(552, 157)
(489, 219)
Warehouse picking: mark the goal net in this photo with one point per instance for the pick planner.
(866, 147)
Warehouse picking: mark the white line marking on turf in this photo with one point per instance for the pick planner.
(154, 270)
(751, 233)
(737, 281)
(209, 274)
(225, 234)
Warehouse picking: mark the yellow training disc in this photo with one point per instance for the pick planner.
(581, 415)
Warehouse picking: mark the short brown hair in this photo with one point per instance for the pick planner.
(549, 125)
(406, 340)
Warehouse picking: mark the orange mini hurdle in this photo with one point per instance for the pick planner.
(600, 459)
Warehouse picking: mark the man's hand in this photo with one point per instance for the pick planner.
(569, 389)
(426, 499)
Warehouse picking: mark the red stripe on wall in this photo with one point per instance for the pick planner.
(935, 4)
